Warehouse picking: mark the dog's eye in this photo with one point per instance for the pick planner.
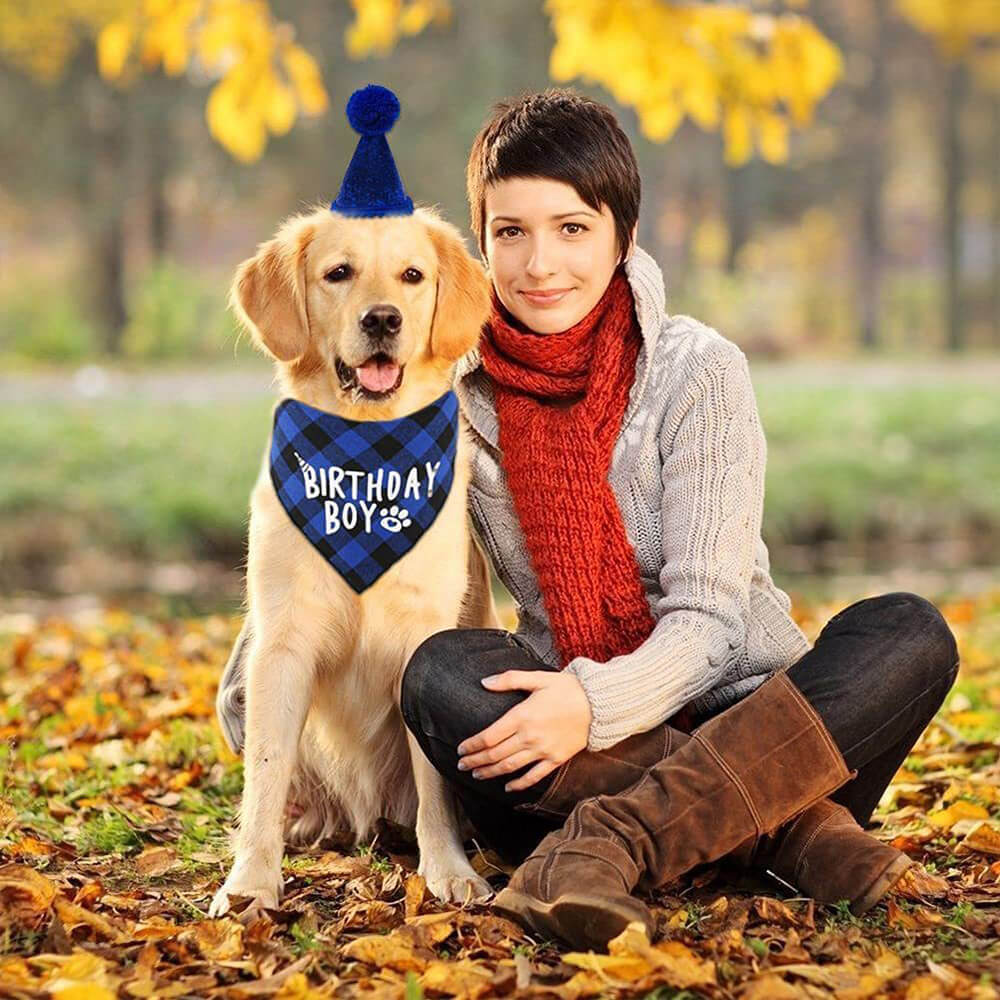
(340, 273)
(412, 276)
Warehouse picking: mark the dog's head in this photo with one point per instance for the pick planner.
(371, 304)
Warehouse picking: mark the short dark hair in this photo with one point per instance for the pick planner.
(564, 136)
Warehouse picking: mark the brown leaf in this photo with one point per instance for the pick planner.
(792, 951)
(156, 861)
(25, 895)
(30, 847)
(89, 893)
(75, 916)
(918, 883)
(773, 911)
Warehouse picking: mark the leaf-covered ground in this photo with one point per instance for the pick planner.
(117, 792)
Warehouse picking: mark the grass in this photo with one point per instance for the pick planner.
(865, 467)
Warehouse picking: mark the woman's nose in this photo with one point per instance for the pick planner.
(540, 261)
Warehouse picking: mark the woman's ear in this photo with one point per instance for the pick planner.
(463, 294)
(627, 256)
(268, 293)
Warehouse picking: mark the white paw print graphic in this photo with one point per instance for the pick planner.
(395, 518)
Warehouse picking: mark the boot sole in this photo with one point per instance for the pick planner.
(881, 885)
(584, 921)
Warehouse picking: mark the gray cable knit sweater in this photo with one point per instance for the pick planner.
(688, 473)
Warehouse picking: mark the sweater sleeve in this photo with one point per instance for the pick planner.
(712, 459)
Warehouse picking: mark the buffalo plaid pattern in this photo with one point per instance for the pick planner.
(304, 436)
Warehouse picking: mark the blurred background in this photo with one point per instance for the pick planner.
(820, 184)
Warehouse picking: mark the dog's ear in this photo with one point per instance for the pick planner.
(463, 294)
(268, 293)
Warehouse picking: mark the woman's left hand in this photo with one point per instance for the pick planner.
(545, 729)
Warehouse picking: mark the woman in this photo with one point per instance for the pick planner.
(618, 483)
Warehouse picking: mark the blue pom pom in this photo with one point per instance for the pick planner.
(373, 110)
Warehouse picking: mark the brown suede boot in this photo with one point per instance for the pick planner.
(742, 774)
(825, 854)
(606, 772)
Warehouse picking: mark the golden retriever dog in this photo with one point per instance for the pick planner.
(325, 664)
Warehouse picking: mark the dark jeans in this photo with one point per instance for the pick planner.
(876, 675)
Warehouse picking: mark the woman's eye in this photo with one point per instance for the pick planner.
(340, 273)
(572, 228)
(412, 276)
(508, 232)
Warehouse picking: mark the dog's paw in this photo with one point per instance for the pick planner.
(261, 897)
(456, 883)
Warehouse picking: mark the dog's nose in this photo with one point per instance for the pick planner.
(382, 321)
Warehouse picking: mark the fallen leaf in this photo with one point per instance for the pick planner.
(25, 895)
(216, 940)
(415, 887)
(771, 987)
(983, 839)
(462, 978)
(393, 951)
(945, 819)
(156, 861)
(73, 916)
(918, 883)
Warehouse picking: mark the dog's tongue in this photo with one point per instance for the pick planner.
(378, 374)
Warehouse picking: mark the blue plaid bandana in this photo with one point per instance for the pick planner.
(363, 491)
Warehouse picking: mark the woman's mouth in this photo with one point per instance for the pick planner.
(548, 297)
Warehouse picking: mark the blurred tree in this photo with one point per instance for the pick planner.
(967, 36)
(750, 74)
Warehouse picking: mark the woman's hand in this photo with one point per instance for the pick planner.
(545, 729)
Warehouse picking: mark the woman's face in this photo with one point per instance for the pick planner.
(551, 256)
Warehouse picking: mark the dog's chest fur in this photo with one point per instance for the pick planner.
(354, 741)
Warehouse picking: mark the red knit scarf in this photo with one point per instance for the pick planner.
(557, 459)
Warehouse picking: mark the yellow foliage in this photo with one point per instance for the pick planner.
(752, 73)
(41, 36)
(954, 26)
(378, 24)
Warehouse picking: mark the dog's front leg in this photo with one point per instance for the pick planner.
(443, 863)
(279, 686)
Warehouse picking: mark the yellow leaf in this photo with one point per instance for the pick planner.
(216, 940)
(279, 112)
(393, 951)
(113, 46)
(736, 135)
(772, 137)
(66, 990)
(945, 819)
(461, 978)
(416, 888)
(984, 839)
(306, 79)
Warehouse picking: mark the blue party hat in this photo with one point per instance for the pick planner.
(371, 186)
